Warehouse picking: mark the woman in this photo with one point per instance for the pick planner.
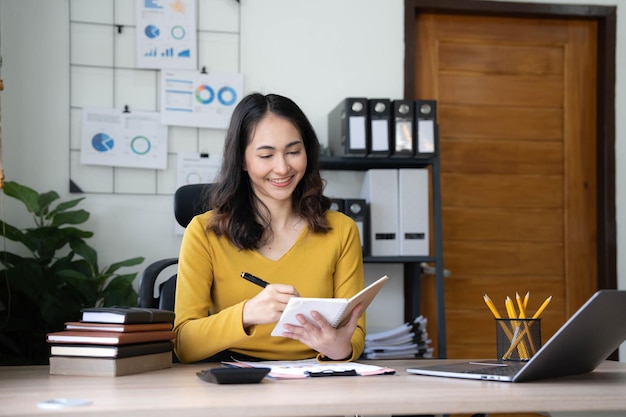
(269, 218)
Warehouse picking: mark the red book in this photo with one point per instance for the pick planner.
(109, 338)
(113, 327)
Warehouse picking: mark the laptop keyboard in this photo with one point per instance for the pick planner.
(511, 369)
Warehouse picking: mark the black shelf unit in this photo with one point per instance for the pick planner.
(412, 268)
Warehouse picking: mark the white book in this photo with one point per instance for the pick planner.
(334, 310)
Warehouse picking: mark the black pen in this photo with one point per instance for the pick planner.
(254, 280)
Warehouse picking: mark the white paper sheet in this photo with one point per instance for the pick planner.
(191, 98)
(111, 137)
(166, 34)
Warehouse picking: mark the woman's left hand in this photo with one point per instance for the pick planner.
(318, 334)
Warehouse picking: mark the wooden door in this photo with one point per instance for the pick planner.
(517, 118)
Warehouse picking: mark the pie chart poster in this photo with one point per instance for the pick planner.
(191, 98)
(112, 137)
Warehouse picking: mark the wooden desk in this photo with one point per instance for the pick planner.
(179, 392)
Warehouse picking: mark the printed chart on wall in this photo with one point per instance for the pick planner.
(191, 98)
(112, 137)
(196, 168)
(166, 34)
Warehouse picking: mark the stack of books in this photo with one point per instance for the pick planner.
(409, 340)
(113, 341)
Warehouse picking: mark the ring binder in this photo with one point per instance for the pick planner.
(347, 127)
(378, 138)
(402, 128)
(426, 127)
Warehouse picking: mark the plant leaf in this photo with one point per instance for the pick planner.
(16, 235)
(67, 205)
(86, 252)
(45, 199)
(8, 259)
(25, 194)
(120, 291)
(128, 262)
(70, 217)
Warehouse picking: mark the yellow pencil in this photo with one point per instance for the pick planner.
(520, 305)
(497, 315)
(510, 309)
(491, 306)
(516, 337)
(543, 307)
(522, 315)
(526, 298)
(535, 316)
(517, 342)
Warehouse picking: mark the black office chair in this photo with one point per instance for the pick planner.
(189, 200)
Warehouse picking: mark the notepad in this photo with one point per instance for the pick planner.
(334, 310)
(308, 368)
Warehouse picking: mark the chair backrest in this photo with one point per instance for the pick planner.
(189, 200)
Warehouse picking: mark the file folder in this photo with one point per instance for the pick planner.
(378, 132)
(347, 128)
(356, 208)
(414, 211)
(380, 189)
(426, 127)
(403, 135)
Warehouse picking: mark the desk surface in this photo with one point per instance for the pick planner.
(179, 392)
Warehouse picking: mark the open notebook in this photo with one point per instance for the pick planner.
(579, 346)
(335, 310)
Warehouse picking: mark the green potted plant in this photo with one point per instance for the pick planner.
(58, 276)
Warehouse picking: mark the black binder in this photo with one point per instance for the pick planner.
(403, 132)
(357, 209)
(347, 128)
(337, 204)
(426, 127)
(378, 127)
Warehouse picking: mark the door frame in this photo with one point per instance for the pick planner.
(606, 18)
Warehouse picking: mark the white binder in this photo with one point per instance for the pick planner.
(380, 189)
(414, 212)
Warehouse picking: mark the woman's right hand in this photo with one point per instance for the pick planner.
(268, 305)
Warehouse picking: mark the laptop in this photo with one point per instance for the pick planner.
(579, 346)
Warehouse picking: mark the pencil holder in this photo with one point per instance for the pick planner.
(517, 339)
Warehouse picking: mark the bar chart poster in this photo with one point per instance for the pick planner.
(192, 98)
(166, 34)
(112, 137)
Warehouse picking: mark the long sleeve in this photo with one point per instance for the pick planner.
(210, 293)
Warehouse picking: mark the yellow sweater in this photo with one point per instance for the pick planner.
(210, 292)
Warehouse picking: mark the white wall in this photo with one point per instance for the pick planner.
(315, 51)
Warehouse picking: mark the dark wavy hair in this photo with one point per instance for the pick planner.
(236, 209)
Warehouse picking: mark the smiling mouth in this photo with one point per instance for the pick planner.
(280, 181)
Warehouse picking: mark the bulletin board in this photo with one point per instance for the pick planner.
(103, 73)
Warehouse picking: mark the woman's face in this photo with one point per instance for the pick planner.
(275, 159)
